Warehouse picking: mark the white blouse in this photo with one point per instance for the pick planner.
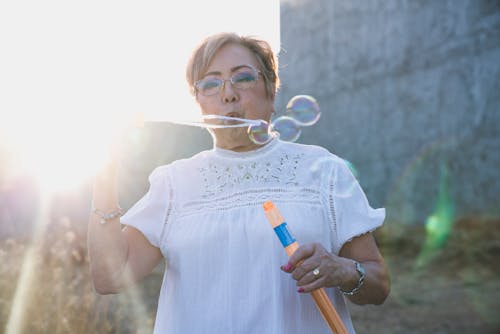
(222, 256)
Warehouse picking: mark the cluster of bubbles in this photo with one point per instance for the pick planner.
(301, 110)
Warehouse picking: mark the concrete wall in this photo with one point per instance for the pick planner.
(405, 87)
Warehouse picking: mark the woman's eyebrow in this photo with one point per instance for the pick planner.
(233, 69)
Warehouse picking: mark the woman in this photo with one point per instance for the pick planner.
(204, 217)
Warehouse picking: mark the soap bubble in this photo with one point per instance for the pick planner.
(304, 109)
(259, 133)
(287, 127)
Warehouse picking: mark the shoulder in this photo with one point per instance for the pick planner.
(305, 148)
(194, 161)
(179, 165)
(315, 163)
(312, 153)
(158, 174)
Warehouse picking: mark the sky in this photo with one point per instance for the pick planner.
(72, 71)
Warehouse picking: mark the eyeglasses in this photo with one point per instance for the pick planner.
(243, 79)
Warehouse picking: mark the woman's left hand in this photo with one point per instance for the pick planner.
(313, 267)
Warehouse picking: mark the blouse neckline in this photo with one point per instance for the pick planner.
(264, 149)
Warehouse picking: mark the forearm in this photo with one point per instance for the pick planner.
(106, 243)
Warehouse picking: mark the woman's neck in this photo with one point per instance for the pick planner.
(239, 148)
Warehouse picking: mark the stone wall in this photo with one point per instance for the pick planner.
(405, 88)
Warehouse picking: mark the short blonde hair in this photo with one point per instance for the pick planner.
(203, 54)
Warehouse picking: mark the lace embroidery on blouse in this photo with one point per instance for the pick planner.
(332, 217)
(250, 183)
(222, 178)
(170, 209)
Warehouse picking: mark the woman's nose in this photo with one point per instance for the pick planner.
(228, 93)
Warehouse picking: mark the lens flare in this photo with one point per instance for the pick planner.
(352, 168)
(439, 224)
(304, 109)
(287, 127)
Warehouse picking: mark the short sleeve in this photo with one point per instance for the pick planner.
(149, 214)
(352, 214)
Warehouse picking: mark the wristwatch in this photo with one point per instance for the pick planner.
(362, 274)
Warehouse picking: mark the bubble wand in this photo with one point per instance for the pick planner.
(290, 244)
(301, 111)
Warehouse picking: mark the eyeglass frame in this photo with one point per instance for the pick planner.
(222, 86)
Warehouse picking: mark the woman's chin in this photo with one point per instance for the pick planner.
(231, 137)
(235, 142)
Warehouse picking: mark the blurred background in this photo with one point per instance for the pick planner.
(410, 96)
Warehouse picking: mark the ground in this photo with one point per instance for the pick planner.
(456, 291)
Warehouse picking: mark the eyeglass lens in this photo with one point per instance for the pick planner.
(242, 80)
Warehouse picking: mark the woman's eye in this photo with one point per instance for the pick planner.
(212, 83)
(244, 77)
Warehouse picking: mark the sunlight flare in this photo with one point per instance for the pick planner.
(71, 74)
(27, 277)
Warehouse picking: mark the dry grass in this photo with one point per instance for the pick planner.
(60, 296)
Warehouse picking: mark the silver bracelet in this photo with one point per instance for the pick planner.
(105, 217)
(362, 276)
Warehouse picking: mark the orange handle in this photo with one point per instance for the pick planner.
(320, 297)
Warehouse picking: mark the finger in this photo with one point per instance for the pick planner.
(307, 266)
(308, 278)
(302, 253)
(314, 285)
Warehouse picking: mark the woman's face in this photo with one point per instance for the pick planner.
(250, 103)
